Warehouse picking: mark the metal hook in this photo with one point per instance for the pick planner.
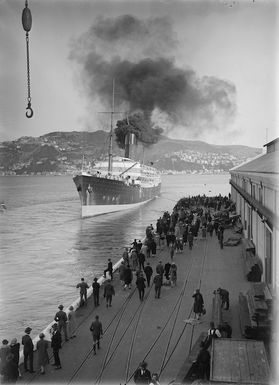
(29, 113)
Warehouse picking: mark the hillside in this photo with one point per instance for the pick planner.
(62, 152)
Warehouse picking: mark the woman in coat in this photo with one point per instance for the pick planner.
(128, 277)
(72, 322)
(198, 304)
(15, 347)
(43, 358)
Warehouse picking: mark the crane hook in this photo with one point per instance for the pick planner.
(29, 113)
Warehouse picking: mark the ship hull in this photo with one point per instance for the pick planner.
(100, 195)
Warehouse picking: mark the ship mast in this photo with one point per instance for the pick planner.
(111, 131)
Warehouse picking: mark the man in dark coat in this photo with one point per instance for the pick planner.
(198, 303)
(141, 259)
(167, 270)
(140, 282)
(160, 269)
(157, 285)
(225, 298)
(56, 341)
(109, 292)
(96, 291)
(61, 318)
(28, 350)
(96, 329)
(203, 363)
(128, 277)
(148, 273)
(142, 374)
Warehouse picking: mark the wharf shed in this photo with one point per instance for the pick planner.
(255, 191)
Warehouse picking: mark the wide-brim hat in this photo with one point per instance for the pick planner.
(28, 330)
(41, 335)
(60, 307)
(143, 364)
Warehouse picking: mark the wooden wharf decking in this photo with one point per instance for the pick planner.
(160, 331)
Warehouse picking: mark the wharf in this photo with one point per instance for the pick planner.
(158, 331)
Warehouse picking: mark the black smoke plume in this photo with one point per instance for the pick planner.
(138, 54)
(139, 126)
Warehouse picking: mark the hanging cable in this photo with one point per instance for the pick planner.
(27, 24)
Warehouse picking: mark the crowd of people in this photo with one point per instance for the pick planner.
(174, 230)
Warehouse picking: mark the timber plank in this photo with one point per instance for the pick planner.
(243, 361)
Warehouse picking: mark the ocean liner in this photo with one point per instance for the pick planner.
(116, 184)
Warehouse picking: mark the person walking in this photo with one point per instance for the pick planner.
(97, 332)
(14, 349)
(121, 270)
(108, 292)
(72, 322)
(43, 358)
(83, 292)
(157, 284)
(61, 318)
(148, 273)
(211, 334)
(160, 269)
(167, 271)
(142, 374)
(198, 303)
(109, 269)
(140, 282)
(96, 292)
(125, 256)
(173, 274)
(141, 259)
(56, 341)
(28, 348)
(171, 250)
(128, 277)
(190, 240)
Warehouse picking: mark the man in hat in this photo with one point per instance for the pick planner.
(142, 374)
(97, 331)
(96, 291)
(61, 318)
(28, 350)
(56, 341)
(108, 292)
(83, 291)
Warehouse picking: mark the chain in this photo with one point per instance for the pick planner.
(28, 69)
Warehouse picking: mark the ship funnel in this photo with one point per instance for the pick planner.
(130, 141)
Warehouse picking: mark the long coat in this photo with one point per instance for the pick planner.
(43, 358)
(56, 340)
(198, 303)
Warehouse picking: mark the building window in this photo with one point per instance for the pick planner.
(253, 191)
(260, 194)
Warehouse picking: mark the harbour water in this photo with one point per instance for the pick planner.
(45, 246)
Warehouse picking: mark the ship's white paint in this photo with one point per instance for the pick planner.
(93, 210)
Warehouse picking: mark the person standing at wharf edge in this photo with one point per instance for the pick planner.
(28, 350)
(157, 285)
(83, 291)
(109, 269)
(56, 341)
(108, 292)
(96, 292)
(61, 318)
(97, 331)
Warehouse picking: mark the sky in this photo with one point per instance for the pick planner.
(200, 70)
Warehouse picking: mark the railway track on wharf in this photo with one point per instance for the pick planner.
(132, 335)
